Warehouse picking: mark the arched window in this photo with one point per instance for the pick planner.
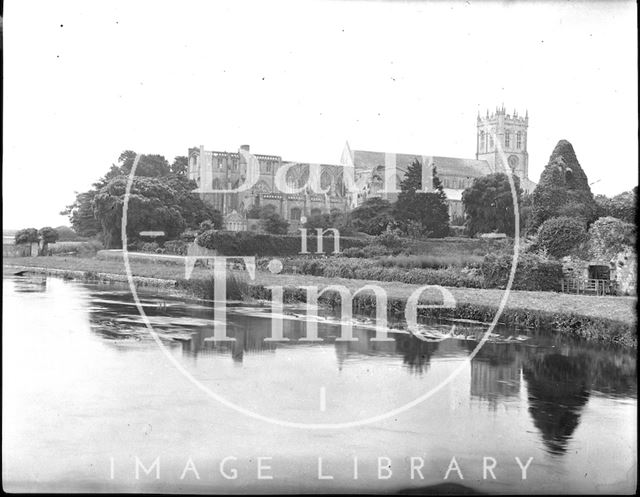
(507, 139)
(519, 139)
(325, 180)
(340, 188)
(295, 214)
(297, 176)
(482, 141)
(490, 142)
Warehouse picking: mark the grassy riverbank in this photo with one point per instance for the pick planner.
(607, 319)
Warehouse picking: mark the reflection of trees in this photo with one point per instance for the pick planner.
(416, 354)
(558, 389)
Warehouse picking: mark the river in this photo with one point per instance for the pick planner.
(91, 402)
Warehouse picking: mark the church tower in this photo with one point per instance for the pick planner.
(511, 131)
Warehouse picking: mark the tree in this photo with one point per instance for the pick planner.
(560, 235)
(151, 165)
(47, 235)
(526, 213)
(66, 234)
(152, 206)
(563, 189)
(429, 209)
(272, 223)
(27, 235)
(372, 216)
(180, 165)
(336, 220)
(81, 215)
(488, 204)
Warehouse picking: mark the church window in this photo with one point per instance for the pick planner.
(482, 141)
(519, 139)
(507, 139)
(325, 180)
(490, 142)
(295, 214)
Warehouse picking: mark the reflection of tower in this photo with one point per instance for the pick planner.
(491, 382)
(511, 131)
(495, 372)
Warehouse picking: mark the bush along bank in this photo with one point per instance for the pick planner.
(600, 329)
(259, 244)
(603, 330)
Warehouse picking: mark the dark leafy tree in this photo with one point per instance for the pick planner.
(149, 165)
(563, 189)
(274, 224)
(488, 204)
(66, 234)
(47, 235)
(372, 216)
(180, 165)
(152, 206)
(81, 215)
(336, 220)
(27, 235)
(429, 210)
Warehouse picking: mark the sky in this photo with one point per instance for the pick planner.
(85, 80)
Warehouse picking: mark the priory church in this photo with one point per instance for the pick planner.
(215, 170)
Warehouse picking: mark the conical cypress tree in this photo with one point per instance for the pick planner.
(429, 210)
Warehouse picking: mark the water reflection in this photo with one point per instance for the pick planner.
(558, 389)
(556, 376)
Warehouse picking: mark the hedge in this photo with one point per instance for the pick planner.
(533, 272)
(344, 267)
(259, 244)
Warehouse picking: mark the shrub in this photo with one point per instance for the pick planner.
(90, 247)
(432, 261)
(262, 244)
(560, 235)
(533, 272)
(237, 287)
(343, 267)
(388, 239)
(609, 235)
(149, 247)
(176, 247)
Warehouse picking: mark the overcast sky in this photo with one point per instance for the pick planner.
(85, 80)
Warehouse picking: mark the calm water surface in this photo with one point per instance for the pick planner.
(86, 391)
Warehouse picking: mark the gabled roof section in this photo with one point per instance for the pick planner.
(450, 166)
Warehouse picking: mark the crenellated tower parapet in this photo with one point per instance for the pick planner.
(510, 130)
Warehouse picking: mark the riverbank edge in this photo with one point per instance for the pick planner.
(595, 329)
